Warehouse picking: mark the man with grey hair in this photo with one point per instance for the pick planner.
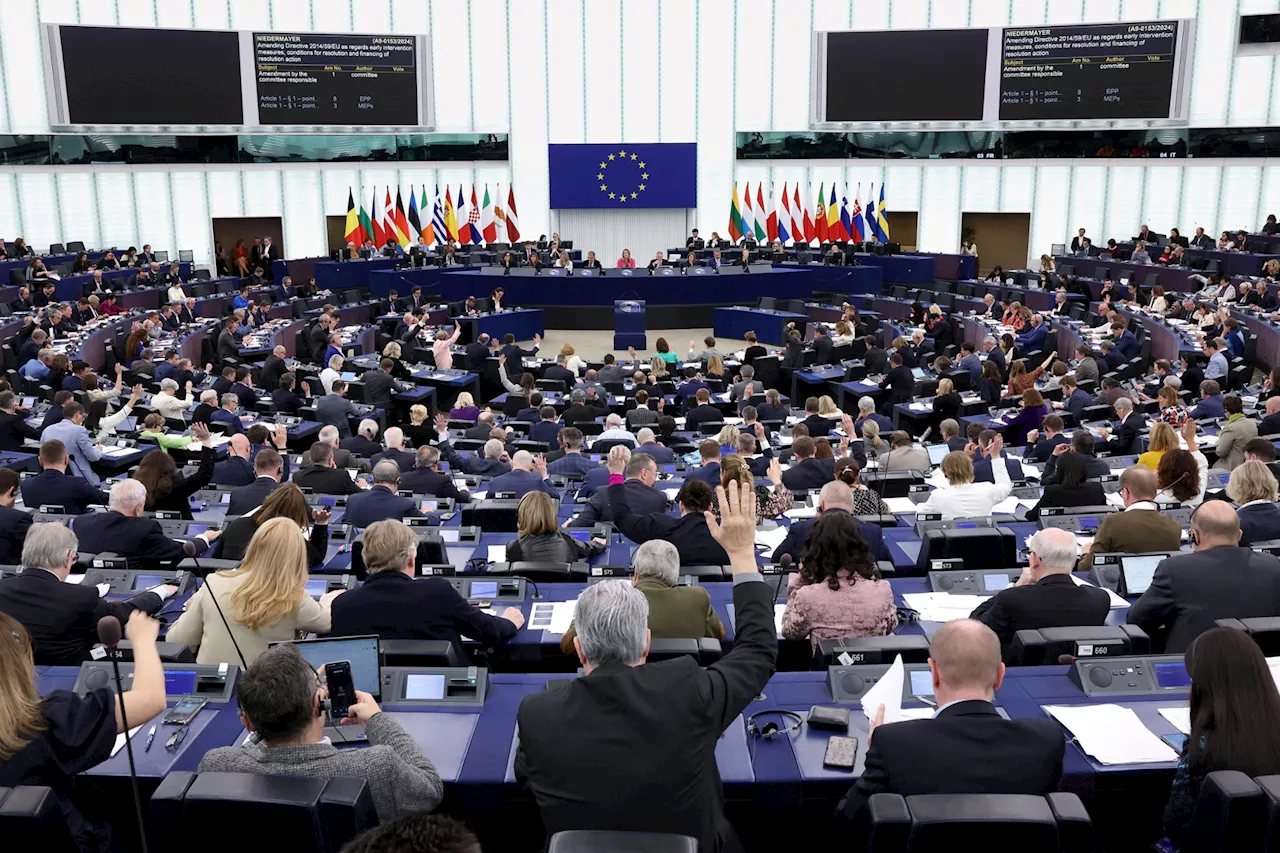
(527, 474)
(62, 618)
(867, 412)
(1126, 435)
(746, 386)
(631, 745)
(615, 431)
(426, 478)
(168, 403)
(950, 431)
(272, 369)
(583, 408)
(643, 496)
(966, 747)
(675, 612)
(341, 458)
(123, 530)
(395, 452)
(363, 443)
(334, 408)
(1045, 596)
(226, 413)
(491, 463)
(381, 500)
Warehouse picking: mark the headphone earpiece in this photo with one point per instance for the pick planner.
(772, 730)
(323, 707)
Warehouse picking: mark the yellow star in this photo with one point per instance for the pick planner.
(644, 176)
(603, 166)
(613, 195)
(633, 195)
(624, 198)
(604, 187)
(633, 156)
(610, 156)
(622, 153)
(600, 177)
(642, 187)
(641, 164)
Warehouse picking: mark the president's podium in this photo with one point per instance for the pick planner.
(628, 324)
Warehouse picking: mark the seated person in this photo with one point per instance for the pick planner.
(675, 612)
(1141, 527)
(1072, 488)
(1253, 489)
(1045, 596)
(837, 592)
(541, 539)
(51, 736)
(396, 605)
(139, 540)
(279, 698)
(967, 748)
(836, 497)
(641, 492)
(690, 533)
(964, 498)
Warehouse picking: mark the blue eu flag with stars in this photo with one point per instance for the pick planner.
(621, 175)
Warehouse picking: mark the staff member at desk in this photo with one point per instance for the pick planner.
(1220, 580)
(394, 605)
(48, 740)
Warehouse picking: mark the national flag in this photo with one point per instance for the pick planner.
(855, 219)
(366, 225)
(388, 214)
(735, 217)
(762, 229)
(771, 223)
(439, 231)
(473, 218)
(809, 231)
(748, 226)
(784, 218)
(882, 222)
(488, 227)
(460, 218)
(375, 220)
(513, 219)
(415, 224)
(401, 223)
(797, 221)
(450, 219)
(834, 231)
(846, 221)
(820, 216)
(870, 215)
(499, 218)
(355, 231)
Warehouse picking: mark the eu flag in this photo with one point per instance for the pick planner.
(622, 175)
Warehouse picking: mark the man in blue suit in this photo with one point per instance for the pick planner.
(1210, 405)
(268, 468)
(76, 441)
(53, 486)
(547, 428)
(226, 413)
(526, 475)
(572, 463)
(236, 469)
(969, 361)
(834, 497)
(709, 471)
(650, 447)
(1125, 341)
(490, 463)
(640, 492)
(1032, 340)
(1074, 400)
(381, 501)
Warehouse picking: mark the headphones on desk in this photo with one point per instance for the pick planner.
(772, 730)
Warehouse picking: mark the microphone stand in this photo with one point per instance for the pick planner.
(114, 654)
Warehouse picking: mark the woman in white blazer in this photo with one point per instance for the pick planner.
(962, 497)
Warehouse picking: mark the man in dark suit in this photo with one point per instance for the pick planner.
(646, 444)
(967, 747)
(639, 489)
(228, 345)
(560, 372)
(62, 618)
(1125, 437)
(139, 540)
(527, 474)
(492, 461)
(1221, 580)
(818, 425)
(379, 386)
(1141, 527)
(272, 369)
(1045, 595)
(53, 486)
(512, 354)
(806, 472)
(1044, 443)
(394, 605)
(476, 353)
(899, 385)
(14, 523)
(834, 497)
(822, 345)
(381, 501)
(1081, 442)
(584, 407)
(322, 476)
(237, 469)
(647, 730)
(709, 471)
(268, 471)
(702, 413)
(318, 338)
(425, 478)
(547, 428)
(689, 533)
(14, 428)
(394, 452)
(876, 357)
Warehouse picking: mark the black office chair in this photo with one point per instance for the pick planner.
(892, 484)
(603, 447)
(705, 649)
(1044, 646)
(31, 818)
(596, 840)
(543, 572)
(979, 547)
(933, 823)
(319, 815)
(1265, 631)
(419, 653)
(1231, 814)
(492, 516)
(431, 552)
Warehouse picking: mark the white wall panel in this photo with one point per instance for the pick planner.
(679, 53)
(1049, 223)
(1269, 196)
(64, 11)
(639, 106)
(603, 32)
(334, 16)
(713, 99)
(566, 116)
(305, 233)
(902, 184)
(10, 221)
(450, 58)
(1211, 68)
(1016, 187)
(374, 16)
(251, 16)
(607, 233)
(980, 187)
(193, 231)
(1026, 14)
(209, 14)
(988, 13)
(909, 14)
(754, 66)
(938, 227)
(791, 58)
(1164, 186)
(948, 14)
(1201, 191)
(155, 225)
(1239, 197)
(136, 13)
(528, 114)
(98, 14)
(117, 222)
(1101, 11)
(290, 15)
(39, 213)
(1139, 10)
(1063, 11)
(1120, 203)
(76, 212)
(870, 15)
(21, 58)
(1088, 185)
(831, 15)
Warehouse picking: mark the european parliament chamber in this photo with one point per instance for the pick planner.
(616, 448)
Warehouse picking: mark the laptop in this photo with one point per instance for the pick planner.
(363, 652)
(937, 452)
(1137, 570)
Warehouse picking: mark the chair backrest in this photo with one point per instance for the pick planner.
(56, 248)
(419, 653)
(1231, 814)
(596, 840)
(1043, 647)
(705, 649)
(318, 815)
(1265, 631)
(492, 516)
(932, 823)
(544, 571)
(31, 817)
(979, 547)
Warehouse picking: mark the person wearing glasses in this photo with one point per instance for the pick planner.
(47, 740)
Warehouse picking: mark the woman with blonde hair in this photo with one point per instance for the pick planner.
(844, 333)
(658, 369)
(262, 601)
(47, 740)
(1253, 489)
(728, 438)
(393, 351)
(464, 408)
(962, 497)
(541, 539)
(440, 348)
(871, 436)
(770, 503)
(286, 501)
(418, 430)
(571, 359)
(828, 409)
(715, 368)
(1162, 439)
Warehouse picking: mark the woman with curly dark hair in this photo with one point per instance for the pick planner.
(837, 592)
(167, 488)
(1178, 477)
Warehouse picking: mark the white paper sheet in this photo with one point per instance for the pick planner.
(1009, 506)
(1112, 734)
(888, 692)
(897, 505)
(941, 606)
(778, 610)
(1179, 718)
(771, 539)
(1116, 601)
(138, 745)
(802, 512)
(496, 553)
(103, 589)
(917, 713)
(671, 493)
(554, 617)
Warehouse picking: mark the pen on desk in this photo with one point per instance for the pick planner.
(151, 735)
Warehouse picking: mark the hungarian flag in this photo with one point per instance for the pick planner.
(402, 235)
(784, 218)
(797, 223)
(762, 230)
(375, 221)
(820, 217)
(834, 230)
(450, 219)
(771, 224)
(513, 220)
(488, 226)
(748, 224)
(473, 218)
(735, 217)
(809, 232)
(415, 225)
(355, 231)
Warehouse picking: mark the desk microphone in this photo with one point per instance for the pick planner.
(785, 565)
(1066, 659)
(109, 633)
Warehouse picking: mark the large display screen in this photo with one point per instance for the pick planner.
(1135, 70)
(111, 77)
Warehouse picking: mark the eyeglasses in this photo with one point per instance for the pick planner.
(176, 739)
